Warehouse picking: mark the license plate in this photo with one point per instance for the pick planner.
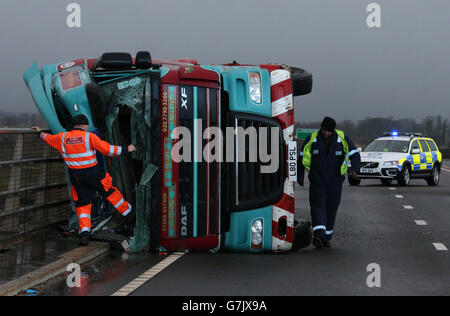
(292, 161)
(367, 170)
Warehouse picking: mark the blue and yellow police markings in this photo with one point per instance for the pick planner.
(422, 161)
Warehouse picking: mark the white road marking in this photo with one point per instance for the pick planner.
(398, 196)
(420, 223)
(392, 188)
(439, 246)
(143, 278)
(408, 207)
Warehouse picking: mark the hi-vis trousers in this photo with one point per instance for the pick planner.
(84, 184)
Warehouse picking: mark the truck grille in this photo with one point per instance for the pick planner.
(205, 222)
(245, 187)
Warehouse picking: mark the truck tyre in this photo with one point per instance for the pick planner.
(435, 176)
(353, 181)
(302, 81)
(302, 235)
(404, 176)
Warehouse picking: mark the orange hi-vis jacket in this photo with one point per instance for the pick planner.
(79, 148)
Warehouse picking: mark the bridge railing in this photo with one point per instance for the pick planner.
(33, 184)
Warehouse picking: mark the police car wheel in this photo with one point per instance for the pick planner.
(404, 177)
(302, 235)
(302, 81)
(434, 177)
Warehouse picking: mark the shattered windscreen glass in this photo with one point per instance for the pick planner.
(127, 111)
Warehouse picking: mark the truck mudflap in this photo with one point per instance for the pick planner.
(283, 111)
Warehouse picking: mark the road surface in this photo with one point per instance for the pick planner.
(403, 230)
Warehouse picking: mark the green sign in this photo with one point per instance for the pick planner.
(302, 133)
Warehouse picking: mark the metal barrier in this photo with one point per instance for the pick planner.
(33, 183)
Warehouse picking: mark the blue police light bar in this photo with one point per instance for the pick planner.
(395, 133)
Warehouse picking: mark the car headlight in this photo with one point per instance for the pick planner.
(257, 234)
(255, 87)
(391, 163)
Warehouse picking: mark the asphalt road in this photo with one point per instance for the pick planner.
(373, 227)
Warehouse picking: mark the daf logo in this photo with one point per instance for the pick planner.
(183, 221)
(184, 98)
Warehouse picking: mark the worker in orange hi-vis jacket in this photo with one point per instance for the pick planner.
(79, 148)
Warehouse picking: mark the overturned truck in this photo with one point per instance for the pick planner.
(197, 204)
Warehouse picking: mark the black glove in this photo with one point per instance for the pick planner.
(352, 174)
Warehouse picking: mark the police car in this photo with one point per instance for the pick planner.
(401, 157)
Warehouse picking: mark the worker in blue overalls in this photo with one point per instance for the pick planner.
(326, 155)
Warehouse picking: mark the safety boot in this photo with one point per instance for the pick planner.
(84, 238)
(326, 243)
(318, 242)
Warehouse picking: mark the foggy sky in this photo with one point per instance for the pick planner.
(399, 70)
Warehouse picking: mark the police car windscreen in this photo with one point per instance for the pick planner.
(396, 146)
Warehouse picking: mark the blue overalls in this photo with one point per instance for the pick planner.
(326, 181)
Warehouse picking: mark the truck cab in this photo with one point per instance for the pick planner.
(232, 124)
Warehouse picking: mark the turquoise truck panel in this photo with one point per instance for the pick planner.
(238, 238)
(33, 80)
(47, 73)
(236, 83)
(75, 98)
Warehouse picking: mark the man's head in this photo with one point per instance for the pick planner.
(328, 126)
(80, 121)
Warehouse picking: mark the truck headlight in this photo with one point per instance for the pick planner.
(390, 163)
(255, 87)
(257, 234)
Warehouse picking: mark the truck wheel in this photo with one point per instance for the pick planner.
(386, 181)
(435, 176)
(302, 81)
(302, 235)
(353, 181)
(404, 177)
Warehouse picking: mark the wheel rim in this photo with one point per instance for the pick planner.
(407, 176)
(436, 176)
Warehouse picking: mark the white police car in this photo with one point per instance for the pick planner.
(401, 157)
